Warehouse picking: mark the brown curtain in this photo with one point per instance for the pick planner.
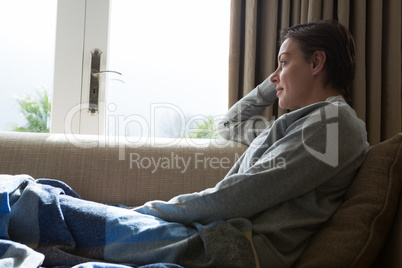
(376, 27)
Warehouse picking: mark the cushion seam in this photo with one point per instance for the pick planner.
(385, 205)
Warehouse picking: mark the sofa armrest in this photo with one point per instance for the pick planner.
(116, 170)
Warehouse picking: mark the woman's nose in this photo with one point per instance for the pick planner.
(275, 77)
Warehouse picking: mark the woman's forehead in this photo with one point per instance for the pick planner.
(288, 47)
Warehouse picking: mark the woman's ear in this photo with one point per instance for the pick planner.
(318, 61)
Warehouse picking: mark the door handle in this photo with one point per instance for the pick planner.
(95, 80)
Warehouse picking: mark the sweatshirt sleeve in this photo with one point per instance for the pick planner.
(286, 170)
(243, 121)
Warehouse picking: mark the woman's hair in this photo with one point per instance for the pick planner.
(337, 43)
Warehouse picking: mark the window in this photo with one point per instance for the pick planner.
(27, 44)
(172, 55)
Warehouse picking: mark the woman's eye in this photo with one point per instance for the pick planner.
(283, 62)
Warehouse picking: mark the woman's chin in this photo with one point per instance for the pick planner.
(282, 103)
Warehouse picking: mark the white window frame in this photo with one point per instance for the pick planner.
(82, 26)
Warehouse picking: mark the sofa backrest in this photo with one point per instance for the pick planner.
(117, 170)
(358, 230)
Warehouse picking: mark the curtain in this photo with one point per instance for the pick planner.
(375, 26)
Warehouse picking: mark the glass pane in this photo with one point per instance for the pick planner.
(173, 56)
(27, 41)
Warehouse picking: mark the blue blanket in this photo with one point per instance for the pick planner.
(44, 223)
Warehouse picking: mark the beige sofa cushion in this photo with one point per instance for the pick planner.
(357, 231)
(93, 167)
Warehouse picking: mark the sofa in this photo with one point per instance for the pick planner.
(365, 231)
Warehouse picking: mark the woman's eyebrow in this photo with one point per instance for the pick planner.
(279, 56)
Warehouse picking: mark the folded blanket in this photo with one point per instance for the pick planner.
(45, 223)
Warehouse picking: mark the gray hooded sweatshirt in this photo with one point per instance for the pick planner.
(288, 182)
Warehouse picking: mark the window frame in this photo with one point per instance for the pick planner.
(82, 26)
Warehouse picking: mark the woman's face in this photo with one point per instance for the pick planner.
(293, 77)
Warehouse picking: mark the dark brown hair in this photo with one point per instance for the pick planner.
(337, 43)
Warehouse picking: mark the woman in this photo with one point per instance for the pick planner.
(289, 181)
(296, 169)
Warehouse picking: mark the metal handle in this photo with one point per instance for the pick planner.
(94, 73)
(94, 81)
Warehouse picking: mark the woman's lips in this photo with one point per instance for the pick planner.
(278, 90)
